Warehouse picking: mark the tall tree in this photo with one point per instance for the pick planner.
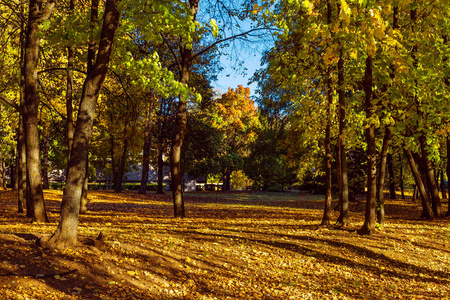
(39, 11)
(66, 233)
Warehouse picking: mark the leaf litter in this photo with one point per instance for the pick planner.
(231, 246)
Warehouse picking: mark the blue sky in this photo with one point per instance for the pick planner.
(235, 77)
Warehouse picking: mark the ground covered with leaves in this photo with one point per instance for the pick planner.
(231, 246)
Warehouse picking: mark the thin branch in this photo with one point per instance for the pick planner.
(11, 103)
(243, 34)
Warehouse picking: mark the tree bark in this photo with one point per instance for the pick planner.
(448, 172)
(343, 219)
(66, 233)
(382, 176)
(401, 181)
(21, 168)
(431, 180)
(226, 180)
(390, 163)
(443, 191)
(145, 165)
(369, 222)
(121, 170)
(427, 212)
(180, 126)
(45, 149)
(328, 196)
(84, 191)
(37, 14)
(146, 150)
(160, 166)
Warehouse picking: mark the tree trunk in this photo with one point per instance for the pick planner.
(2, 173)
(160, 167)
(427, 212)
(36, 15)
(343, 219)
(180, 125)
(401, 181)
(84, 191)
(146, 151)
(415, 193)
(443, 191)
(44, 169)
(21, 168)
(369, 222)
(431, 180)
(121, 170)
(145, 165)
(390, 163)
(66, 233)
(381, 177)
(226, 180)
(328, 196)
(448, 170)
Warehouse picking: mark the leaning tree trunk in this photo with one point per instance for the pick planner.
(369, 222)
(328, 196)
(427, 212)
(382, 176)
(36, 15)
(66, 233)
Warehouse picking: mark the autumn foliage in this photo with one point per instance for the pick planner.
(232, 246)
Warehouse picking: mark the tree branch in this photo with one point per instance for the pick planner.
(11, 103)
(243, 34)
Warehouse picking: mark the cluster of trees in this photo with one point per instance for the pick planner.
(114, 83)
(370, 77)
(88, 83)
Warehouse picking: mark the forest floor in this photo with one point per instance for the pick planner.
(230, 246)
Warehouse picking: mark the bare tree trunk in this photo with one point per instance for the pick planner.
(45, 149)
(431, 180)
(390, 163)
(427, 212)
(402, 189)
(121, 170)
(21, 168)
(381, 177)
(343, 219)
(145, 165)
(448, 169)
(328, 196)
(415, 193)
(160, 166)
(146, 150)
(369, 222)
(443, 191)
(84, 191)
(37, 14)
(66, 233)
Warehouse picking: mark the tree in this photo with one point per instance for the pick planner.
(66, 233)
(238, 120)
